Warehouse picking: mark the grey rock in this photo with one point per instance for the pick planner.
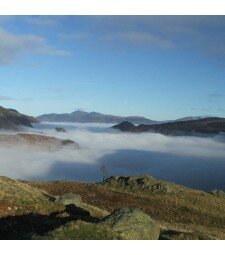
(68, 199)
(132, 224)
(133, 183)
(160, 188)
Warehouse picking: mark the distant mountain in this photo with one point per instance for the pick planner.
(210, 125)
(12, 119)
(92, 117)
(190, 118)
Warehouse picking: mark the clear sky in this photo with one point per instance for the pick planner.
(160, 67)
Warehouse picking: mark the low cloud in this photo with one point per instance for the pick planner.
(174, 158)
(13, 45)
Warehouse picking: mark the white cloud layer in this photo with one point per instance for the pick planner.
(173, 158)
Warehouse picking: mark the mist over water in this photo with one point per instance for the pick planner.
(191, 161)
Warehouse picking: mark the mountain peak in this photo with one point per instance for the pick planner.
(93, 117)
(78, 111)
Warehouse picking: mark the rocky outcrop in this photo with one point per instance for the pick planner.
(218, 193)
(10, 119)
(144, 183)
(60, 129)
(132, 224)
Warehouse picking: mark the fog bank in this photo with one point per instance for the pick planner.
(191, 161)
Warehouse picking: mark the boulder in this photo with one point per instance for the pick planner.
(73, 199)
(69, 198)
(132, 224)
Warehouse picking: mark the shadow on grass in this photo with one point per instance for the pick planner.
(25, 227)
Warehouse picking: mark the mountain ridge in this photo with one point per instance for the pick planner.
(92, 117)
(12, 119)
(96, 117)
(208, 126)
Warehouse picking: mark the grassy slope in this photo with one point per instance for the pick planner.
(193, 211)
(18, 198)
(25, 208)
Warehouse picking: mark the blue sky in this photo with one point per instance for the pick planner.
(160, 67)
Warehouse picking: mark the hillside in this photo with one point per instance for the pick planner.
(35, 141)
(210, 125)
(12, 119)
(92, 117)
(153, 209)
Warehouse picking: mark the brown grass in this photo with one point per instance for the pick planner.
(188, 211)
